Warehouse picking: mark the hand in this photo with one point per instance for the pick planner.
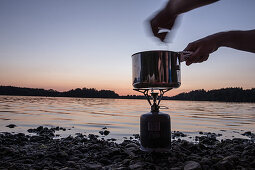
(202, 49)
(167, 16)
(164, 19)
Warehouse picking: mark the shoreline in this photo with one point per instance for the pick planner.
(229, 94)
(42, 151)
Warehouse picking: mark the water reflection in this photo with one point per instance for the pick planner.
(122, 116)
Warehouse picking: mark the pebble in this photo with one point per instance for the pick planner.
(11, 126)
(136, 165)
(192, 165)
(247, 133)
(131, 145)
(137, 136)
(94, 166)
(42, 151)
(106, 132)
(177, 134)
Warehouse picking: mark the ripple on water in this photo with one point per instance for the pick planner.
(122, 115)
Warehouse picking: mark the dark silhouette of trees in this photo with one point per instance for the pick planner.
(10, 90)
(91, 93)
(84, 92)
(224, 94)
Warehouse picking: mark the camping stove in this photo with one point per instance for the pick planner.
(155, 126)
(156, 71)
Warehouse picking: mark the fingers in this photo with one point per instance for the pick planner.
(204, 58)
(162, 36)
(163, 20)
(156, 31)
(196, 59)
(197, 56)
(192, 57)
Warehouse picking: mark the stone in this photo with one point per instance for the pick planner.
(131, 145)
(105, 161)
(92, 136)
(62, 154)
(94, 166)
(219, 134)
(11, 126)
(224, 164)
(126, 161)
(106, 132)
(232, 158)
(248, 133)
(130, 153)
(136, 165)
(40, 128)
(137, 136)
(252, 164)
(20, 151)
(71, 163)
(57, 128)
(194, 157)
(111, 139)
(205, 161)
(36, 138)
(205, 167)
(176, 168)
(192, 165)
(28, 161)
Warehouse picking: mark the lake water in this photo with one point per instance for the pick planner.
(121, 116)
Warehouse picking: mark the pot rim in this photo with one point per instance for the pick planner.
(154, 51)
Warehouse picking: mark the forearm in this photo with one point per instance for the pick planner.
(240, 40)
(182, 6)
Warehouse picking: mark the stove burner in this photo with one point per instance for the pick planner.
(155, 106)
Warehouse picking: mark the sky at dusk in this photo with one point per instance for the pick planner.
(65, 44)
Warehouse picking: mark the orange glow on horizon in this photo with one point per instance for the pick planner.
(66, 87)
(121, 89)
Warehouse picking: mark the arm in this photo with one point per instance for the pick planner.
(240, 40)
(166, 17)
(182, 6)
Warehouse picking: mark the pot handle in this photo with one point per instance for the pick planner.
(184, 55)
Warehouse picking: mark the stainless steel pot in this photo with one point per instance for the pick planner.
(157, 69)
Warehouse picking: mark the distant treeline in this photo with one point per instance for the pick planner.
(84, 92)
(224, 94)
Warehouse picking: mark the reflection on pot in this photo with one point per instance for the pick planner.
(156, 69)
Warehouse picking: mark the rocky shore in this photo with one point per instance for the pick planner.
(43, 151)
